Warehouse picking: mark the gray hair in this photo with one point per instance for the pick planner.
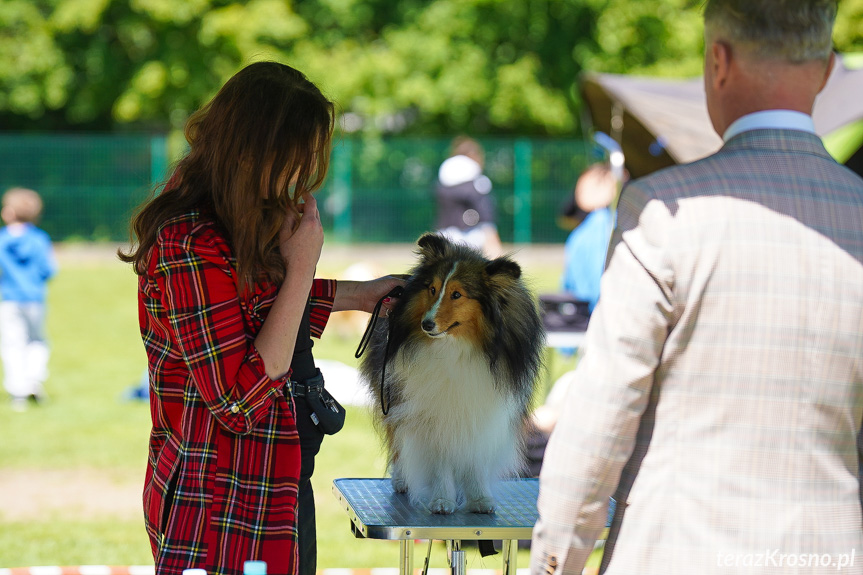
(794, 30)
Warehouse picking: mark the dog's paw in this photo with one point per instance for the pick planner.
(442, 506)
(399, 485)
(481, 505)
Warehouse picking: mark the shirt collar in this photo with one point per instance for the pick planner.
(782, 119)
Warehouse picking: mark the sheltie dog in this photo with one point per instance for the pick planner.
(458, 357)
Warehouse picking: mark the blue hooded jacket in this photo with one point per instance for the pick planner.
(26, 263)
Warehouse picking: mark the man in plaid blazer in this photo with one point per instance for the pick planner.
(721, 393)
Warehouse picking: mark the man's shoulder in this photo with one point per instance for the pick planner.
(776, 156)
(673, 179)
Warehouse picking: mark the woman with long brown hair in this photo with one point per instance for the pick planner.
(226, 256)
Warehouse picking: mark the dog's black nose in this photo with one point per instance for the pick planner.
(428, 325)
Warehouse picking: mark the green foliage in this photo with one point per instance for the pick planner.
(848, 32)
(426, 67)
(649, 37)
(33, 76)
(481, 66)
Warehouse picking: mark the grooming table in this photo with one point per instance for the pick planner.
(378, 512)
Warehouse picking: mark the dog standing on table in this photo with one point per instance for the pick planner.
(459, 367)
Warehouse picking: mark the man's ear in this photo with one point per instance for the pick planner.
(830, 63)
(721, 62)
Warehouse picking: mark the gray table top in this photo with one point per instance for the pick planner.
(378, 512)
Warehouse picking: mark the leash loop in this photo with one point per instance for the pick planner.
(367, 338)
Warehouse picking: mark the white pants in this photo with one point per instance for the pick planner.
(23, 348)
(483, 237)
(474, 237)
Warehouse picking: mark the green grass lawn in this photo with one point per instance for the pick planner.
(71, 471)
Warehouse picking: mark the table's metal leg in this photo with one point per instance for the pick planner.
(458, 562)
(406, 557)
(510, 556)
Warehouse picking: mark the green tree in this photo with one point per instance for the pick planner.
(848, 33)
(484, 66)
(649, 37)
(34, 80)
(103, 64)
(421, 66)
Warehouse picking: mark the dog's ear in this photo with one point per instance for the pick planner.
(432, 245)
(503, 265)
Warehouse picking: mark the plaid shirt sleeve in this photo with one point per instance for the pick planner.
(323, 295)
(197, 279)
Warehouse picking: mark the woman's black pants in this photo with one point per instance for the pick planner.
(310, 443)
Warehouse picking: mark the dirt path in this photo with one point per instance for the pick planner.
(69, 494)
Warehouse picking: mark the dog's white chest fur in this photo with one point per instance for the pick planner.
(454, 431)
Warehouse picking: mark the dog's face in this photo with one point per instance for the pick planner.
(447, 308)
(450, 287)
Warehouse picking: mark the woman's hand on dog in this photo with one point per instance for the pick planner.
(364, 295)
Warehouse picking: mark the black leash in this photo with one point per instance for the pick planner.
(367, 338)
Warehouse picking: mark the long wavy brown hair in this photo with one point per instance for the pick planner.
(254, 150)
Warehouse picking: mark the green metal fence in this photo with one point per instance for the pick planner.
(378, 190)
(90, 184)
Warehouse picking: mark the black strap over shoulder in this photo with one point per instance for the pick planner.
(303, 362)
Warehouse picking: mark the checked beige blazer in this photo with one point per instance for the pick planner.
(720, 396)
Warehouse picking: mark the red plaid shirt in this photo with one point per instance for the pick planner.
(224, 458)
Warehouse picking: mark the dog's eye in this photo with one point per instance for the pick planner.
(432, 290)
(456, 295)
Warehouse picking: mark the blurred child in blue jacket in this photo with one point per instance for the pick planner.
(26, 264)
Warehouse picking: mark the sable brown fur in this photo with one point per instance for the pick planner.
(462, 358)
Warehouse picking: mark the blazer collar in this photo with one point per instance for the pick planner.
(765, 119)
(777, 139)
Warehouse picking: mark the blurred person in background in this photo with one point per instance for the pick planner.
(466, 209)
(228, 302)
(26, 264)
(586, 246)
(720, 395)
